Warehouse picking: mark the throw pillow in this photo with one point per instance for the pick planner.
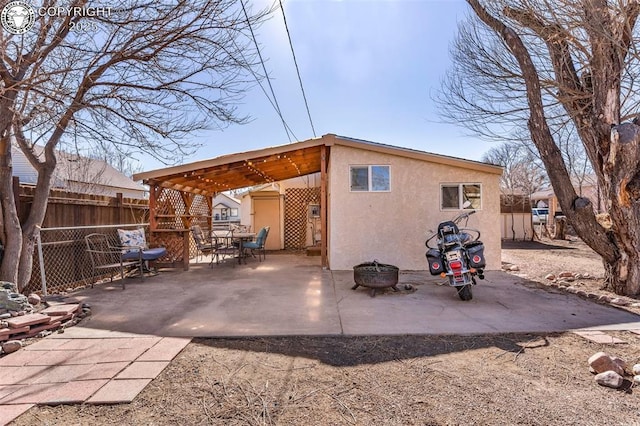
(132, 239)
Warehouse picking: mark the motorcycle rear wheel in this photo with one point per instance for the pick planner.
(465, 292)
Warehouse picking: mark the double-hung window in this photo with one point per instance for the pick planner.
(459, 196)
(370, 178)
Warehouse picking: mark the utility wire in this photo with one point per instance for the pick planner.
(266, 74)
(293, 53)
(275, 107)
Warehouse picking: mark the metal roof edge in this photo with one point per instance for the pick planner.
(417, 154)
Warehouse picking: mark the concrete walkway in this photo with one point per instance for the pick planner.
(133, 334)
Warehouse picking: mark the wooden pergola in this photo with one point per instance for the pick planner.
(204, 179)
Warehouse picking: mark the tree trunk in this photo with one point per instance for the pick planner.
(11, 232)
(560, 228)
(623, 276)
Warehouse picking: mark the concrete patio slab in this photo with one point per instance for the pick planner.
(290, 294)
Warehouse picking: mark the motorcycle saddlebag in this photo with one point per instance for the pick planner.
(476, 255)
(435, 262)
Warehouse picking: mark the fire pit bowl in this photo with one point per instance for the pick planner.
(375, 275)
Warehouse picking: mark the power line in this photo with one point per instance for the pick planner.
(274, 103)
(293, 53)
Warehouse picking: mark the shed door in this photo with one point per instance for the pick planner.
(266, 212)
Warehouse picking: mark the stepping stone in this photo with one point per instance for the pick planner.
(598, 337)
(119, 391)
(61, 310)
(35, 330)
(29, 319)
(8, 413)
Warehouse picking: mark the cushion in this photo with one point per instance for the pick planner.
(148, 254)
(132, 238)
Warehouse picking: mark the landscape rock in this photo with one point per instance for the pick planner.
(10, 299)
(34, 299)
(636, 369)
(636, 380)
(11, 346)
(621, 363)
(619, 302)
(566, 274)
(550, 277)
(602, 362)
(609, 379)
(514, 268)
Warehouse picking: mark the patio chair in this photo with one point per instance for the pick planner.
(258, 244)
(204, 246)
(107, 259)
(133, 246)
(225, 246)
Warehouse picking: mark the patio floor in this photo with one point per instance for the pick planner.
(290, 294)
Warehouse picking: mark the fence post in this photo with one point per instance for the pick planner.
(43, 277)
(120, 206)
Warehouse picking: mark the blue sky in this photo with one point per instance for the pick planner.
(369, 68)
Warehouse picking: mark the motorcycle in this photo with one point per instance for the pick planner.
(458, 254)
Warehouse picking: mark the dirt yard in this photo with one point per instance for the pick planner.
(532, 379)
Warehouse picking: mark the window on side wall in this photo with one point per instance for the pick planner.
(370, 178)
(453, 196)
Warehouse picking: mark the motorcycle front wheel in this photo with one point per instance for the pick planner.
(465, 292)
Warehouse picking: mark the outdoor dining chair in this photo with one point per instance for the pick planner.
(105, 258)
(204, 246)
(258, 243)
(225, 246)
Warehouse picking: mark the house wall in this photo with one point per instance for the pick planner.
(392, 226)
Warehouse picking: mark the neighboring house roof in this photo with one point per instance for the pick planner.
(226, 199)
(73, 171)
(279, 163)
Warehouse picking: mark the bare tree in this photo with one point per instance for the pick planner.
(137, 76)
(549, 66)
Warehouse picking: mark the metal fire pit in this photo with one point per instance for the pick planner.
(375, 275)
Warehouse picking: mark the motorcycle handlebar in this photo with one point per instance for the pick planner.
(463, 216)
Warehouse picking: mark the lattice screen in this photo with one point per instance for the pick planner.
(295, 215)
(173, 213)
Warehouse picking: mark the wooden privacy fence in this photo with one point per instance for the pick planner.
(69, 217)
(73, 209)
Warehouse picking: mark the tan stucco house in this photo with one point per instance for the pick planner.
(363, 200)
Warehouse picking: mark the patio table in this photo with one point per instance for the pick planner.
(241, 237)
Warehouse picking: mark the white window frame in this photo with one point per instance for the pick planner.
(460, 186)
(369, 177)
(233, 212)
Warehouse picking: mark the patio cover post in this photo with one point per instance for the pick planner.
(153, 193)
(323, 205)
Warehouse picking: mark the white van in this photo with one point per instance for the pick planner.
(540, 215)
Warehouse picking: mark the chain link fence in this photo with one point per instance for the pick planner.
(61, 262)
